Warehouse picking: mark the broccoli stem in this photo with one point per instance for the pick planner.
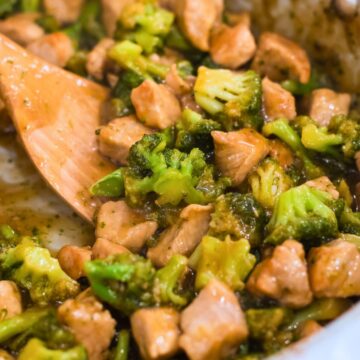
(111, 185)
(18, 324)
(122, 347)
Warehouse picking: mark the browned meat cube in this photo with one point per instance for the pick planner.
(183, 237)
(65, 11)
(104, 248)
(177, 84)
(325, 103)
(283, 276)
(118, 223)
(155, 105)
(10, 300)
(5, 355)
(213, 324)
(324, 184)
(56, 48)
(280, 59)
(238, 152)
(116, 138)
(309, 328)
(281, 153)
(156, 332)
(357, 159)
(278, 102)
(72, 260)
(111, 10)
(234, 46)
(334, 270)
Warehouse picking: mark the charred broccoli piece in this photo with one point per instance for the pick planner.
(129, 282)
(33, 268)
(350, 221)
(234, 98)
(303, 213)
(227, 260)
(268, 181)
(240, 216)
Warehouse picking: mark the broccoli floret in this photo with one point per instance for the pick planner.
(111, 185)
(174, 176)
(268, 181)
(234, 98)
(350, 221)
(129, 56)
(300, 89)
(7, 7)
(195, 131)
(37, 349)
(303, 213)
(30, 5)
(240, 216)
(129, 282)
(288, 135)
(147, 24)
(48, 23)
(32, 267)
(229, 261)
(77, 63)
(176, 40)
(349, 130)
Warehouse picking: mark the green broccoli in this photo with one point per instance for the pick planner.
(240, 216)
(349, 130)
(351, 238)
(111, 185)
(268, 181)
(300, 89)
(129, 282)
(129, 56)
(171, 174)
(229, 261)
(350, 221)
(48, 23)
(288, 135)
(195, 131)
(303, 213)
(145, 23)
(7, 7)
(176, 40)
(30, 5)
(121, 351)
(32, 267)
(37, 349)
(234, 98)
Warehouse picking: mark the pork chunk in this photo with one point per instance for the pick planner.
(281, 152)
(65, 11)
(104, 248)
(91, 325)
(283, 276)
(97, 58)
(334, 270)
(56, 48)
(116, 138)
(280, 59)
(22, 28)
(111, 10)
(10, 300)
(324, 184)
(213, 324)
(277, 101)
(357, 160)
(234, 46)
(183, 237)
(156, 332)
(309, 328)
(5, 355)
(194, 24)
(72, 260)
(155, 105)
(325, 103)
(118, 223)
(176, 83)
(238, 152)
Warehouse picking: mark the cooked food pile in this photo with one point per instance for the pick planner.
(231, 228)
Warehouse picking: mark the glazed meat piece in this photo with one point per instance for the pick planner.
(90, 323)
(97, 58)
(309, 328)
(72, 260)
(56, 48)
(357, 159)
(334, 270)
(65, 11)
(278, 102)
(281, 152)
(22, 28)
(155, 105)
(5, 355)
(116, 138)
(233, 46)
(104, 248)
(283, 276)
(238, 152)
(183, 237)
(118, 223)
(156, 332)
(176, 83)
(194, 24)
(324, 184)
(111, 11)
(280, 59)
(213, 324)
(10, 300)
(325, 103)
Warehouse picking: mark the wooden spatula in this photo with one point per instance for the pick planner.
(56, 114)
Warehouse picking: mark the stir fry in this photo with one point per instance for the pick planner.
(231, 227)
